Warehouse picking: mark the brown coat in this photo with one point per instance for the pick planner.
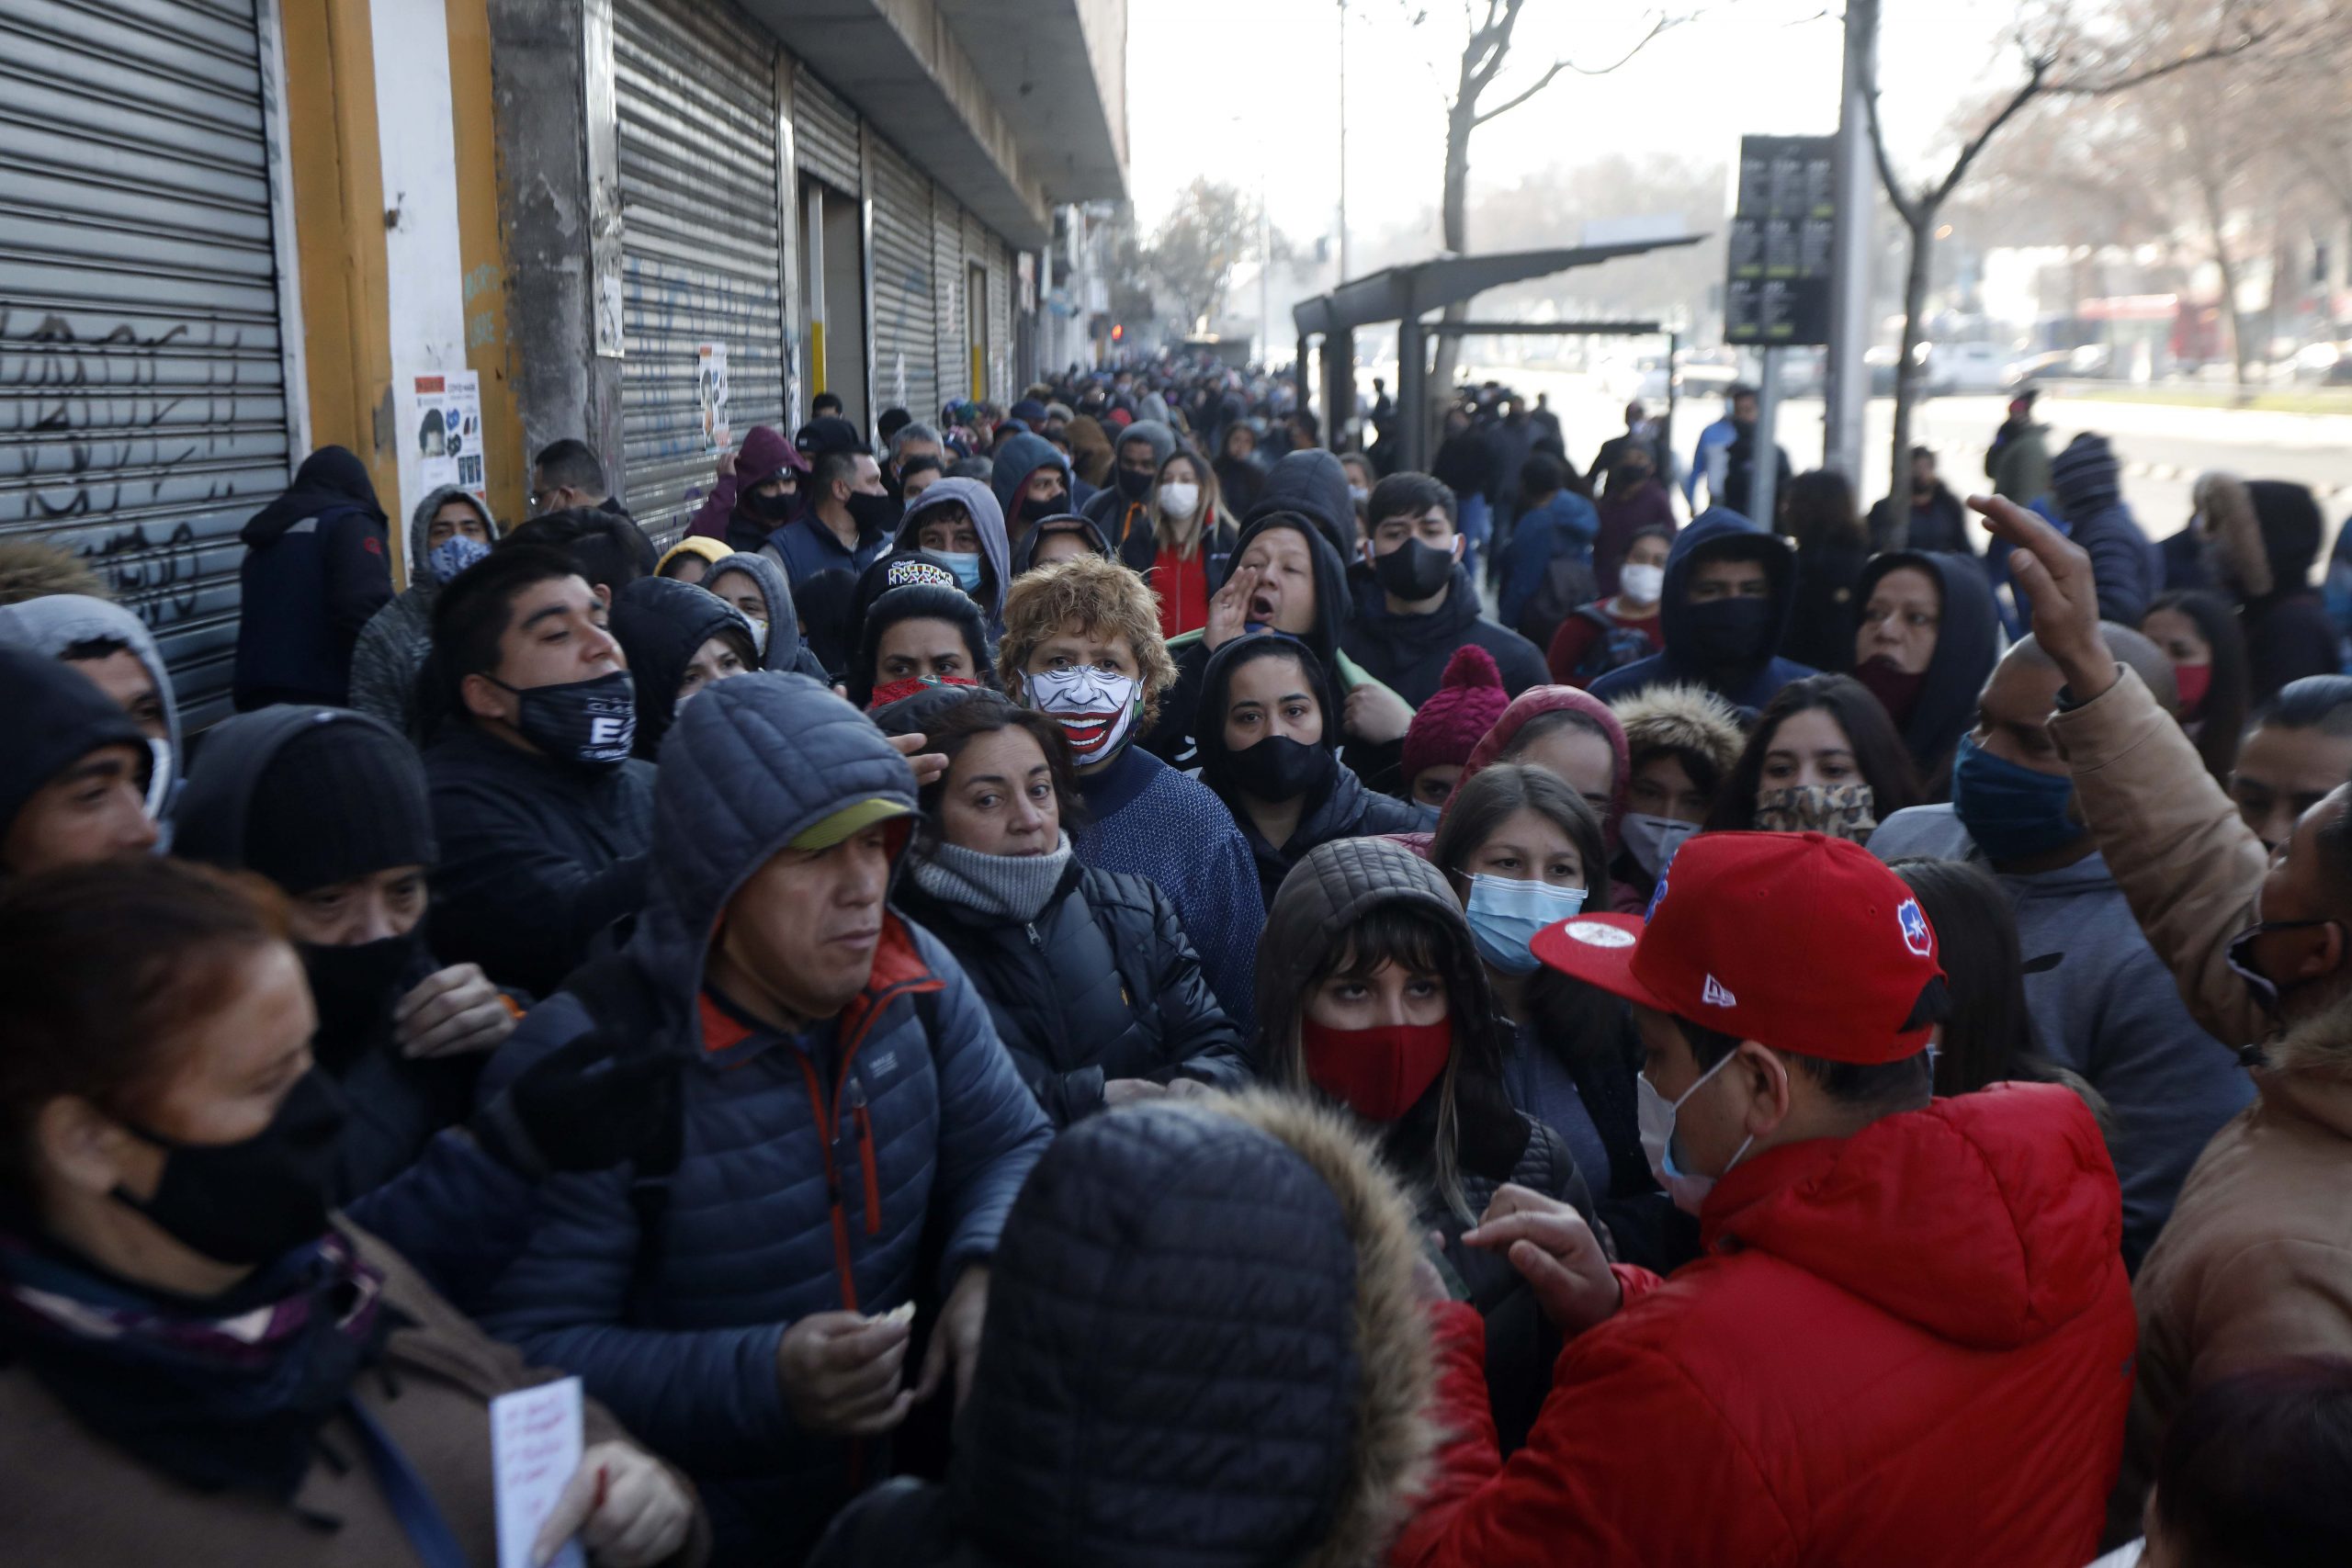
(2256, 1261)
(70, 1498)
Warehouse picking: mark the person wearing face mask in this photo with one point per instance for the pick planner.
(449, 531)
(1124, 509)
(756, 586)
(1823, 758)
(201, 1357)
(1416, 603)
(1633, 500)
(1092, 984)
(1081, 646)
(920, 635)
(956, 522)
(1187, 554)
(676, 640)
(1032, 481)
(1682, 743)
(758, 491)
(2249, 1267)
(1927, 638)
(2199, 633)
(1916, 1300)
(848, 519)
(541, 810)
(1522, 850)
(1620, 629)
(1273, 758)
(1933, 517)
(1724, 606)
(2101, 1002)
(1370, 995)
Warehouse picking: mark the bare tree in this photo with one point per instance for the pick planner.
(2065, 53)
(1212, 228)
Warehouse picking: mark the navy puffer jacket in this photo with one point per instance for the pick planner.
(813, 1164)
(1103, 985)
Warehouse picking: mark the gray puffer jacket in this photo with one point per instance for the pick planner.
(858, 1164)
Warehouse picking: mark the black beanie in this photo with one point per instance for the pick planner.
(338, 800)
(57, 716)
(919, 602)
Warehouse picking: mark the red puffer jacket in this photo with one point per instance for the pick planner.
(1910, 1347)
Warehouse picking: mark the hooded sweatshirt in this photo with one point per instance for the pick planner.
(1342, 808)
(394, 644)
(1302, 1358)
(1908, 1345)
(2103, 1005)
(2287, 632)
(997, 570)
(1311, 484)
(1749, 683)
(725, 514)
(852, 1167)
(51, 625)
(2088, 484)
(57, 716)
(785, 648)
(316, 568)
(1109, 509)
(661, 624)
(1010, 473)
(1968, 644)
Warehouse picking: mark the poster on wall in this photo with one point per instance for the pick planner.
(448, 432)
(710, 396)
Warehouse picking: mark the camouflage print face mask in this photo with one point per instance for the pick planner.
(1842, 811)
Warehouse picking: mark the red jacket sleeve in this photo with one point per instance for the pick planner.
(1630, 1463)
(710, 517)
(1568, 646)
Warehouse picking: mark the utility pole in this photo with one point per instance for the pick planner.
(1343, 141)
(1265, 273)
(1846, 382)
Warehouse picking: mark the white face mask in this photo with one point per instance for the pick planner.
(1178, 500)
(759, 636)
(1095, 708)
(1642, 584)
(1358, 494)
(1652, 841)
(1655, 1114)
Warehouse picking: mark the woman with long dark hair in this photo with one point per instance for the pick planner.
(1824, 758)
(2199, 633)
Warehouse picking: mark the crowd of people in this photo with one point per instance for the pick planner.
(1066, 989)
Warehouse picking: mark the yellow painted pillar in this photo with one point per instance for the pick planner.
(482, 243)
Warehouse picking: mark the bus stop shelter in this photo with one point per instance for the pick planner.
(1406, 294)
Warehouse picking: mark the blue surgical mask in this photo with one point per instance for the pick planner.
(453, 554)
(2012, 812)
(1505, 913)
(1655, 1114)
(965, 564)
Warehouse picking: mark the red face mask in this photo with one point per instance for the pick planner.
(1379, 1073)
(2195, 681)
(892, 691)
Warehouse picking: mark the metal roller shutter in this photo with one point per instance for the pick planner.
(947, 266)
(142, 383)
(824, 133)
(906, 331)
(694, 87)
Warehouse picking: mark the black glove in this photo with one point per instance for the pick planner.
(586, 1106)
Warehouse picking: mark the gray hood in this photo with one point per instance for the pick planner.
(420, 520)
(988, 520)
(55, 622)
(785, 650)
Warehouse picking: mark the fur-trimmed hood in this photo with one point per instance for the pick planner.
(2227, 507)
(1251, 1251)
(2318, 1048)
(1683, 719)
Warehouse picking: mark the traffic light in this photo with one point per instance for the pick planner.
(1118, 331)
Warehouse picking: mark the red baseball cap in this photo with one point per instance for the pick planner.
(1803, 943)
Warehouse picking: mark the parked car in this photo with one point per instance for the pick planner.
(1965, 368)
(2047, 366)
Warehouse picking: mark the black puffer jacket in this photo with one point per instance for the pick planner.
(1202, 1351)
(1103, 985)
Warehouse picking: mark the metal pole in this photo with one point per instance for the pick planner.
(1846, 379)
(1412, 391)
(1265, 269)
(1765, 476)
(1673, 352)
(1343, 141)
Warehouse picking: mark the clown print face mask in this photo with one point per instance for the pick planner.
(1095, 708)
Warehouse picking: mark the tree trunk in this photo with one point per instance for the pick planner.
(1454, 219)
(2215, 221)
(1907, 375)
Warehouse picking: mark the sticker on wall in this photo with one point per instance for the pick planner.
(710, 396)
(448, 432)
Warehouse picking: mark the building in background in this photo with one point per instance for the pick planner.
(446, 232)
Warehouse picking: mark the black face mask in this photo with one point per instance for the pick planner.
(1922, 487)
(590, 724)
(872, 513)
(1133, 485)
(1034, 511)
(1414, 571)
(254, 1201)
(1726, 631)
(1279, 769)
(355, 987)
(777, 508)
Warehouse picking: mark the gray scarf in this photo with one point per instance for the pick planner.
(1010, 888)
